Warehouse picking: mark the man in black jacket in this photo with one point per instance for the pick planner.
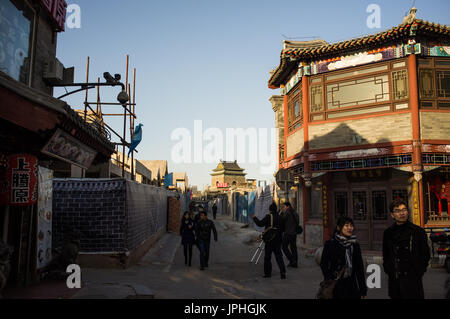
(289, 245)
(405, 254)
(203, 230)
(274, 246)
(214, 210)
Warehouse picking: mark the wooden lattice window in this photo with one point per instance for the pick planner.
(359, 206)
(295, 109)
(316, 99)
(426, 83)
(400, 84)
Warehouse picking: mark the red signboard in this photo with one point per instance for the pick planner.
(57, 10)
(22, 180)
(222, 185)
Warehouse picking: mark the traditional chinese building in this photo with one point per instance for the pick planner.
(227, 174)
(365, 121)
(41, 137)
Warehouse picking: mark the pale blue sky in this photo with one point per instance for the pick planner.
(209, 60)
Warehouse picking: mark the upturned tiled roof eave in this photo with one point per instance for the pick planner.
(289, 58)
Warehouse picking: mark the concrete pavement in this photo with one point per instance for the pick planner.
(162, 273)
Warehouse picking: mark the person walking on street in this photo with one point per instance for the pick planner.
(197, 216)
(214, 210)
(405, 254)
(342, 260)
(203, 232)
(289, 240)
(187, 237)
(274, 246)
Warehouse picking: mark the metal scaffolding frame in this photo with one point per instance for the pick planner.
(96, 116)
(129, 111)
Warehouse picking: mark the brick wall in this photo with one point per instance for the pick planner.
(295, 143)
(435, 126)
(113, 215)
(146, 212)
(175, 214)
(45, 50)
(381, 129)
(95, 209)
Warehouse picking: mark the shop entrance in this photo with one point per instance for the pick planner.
(367, 203)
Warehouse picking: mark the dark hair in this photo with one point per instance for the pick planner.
(341, 222)
(273, 207)
(287, 204)
(186, 212)
(204, 212)
(397, 202)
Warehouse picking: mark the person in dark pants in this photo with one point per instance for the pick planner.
(203, 230)
(197, 215)
(405, 254)
(214, 210)
(273, 246)
(187, 236)
(289, 240)
(342, 260)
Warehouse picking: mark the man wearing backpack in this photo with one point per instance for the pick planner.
(291, 221)
(273, 225)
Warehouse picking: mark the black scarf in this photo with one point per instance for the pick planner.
(347, 243)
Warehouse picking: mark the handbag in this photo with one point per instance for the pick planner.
(299, 230)
(327, 287)
(270, 233)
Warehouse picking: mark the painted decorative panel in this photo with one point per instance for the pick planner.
(358, 92)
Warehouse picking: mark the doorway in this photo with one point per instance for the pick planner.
(368, 205)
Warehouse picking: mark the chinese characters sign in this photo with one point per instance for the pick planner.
(222, 185)
(367, 175)
(22, 180)
(325, 206)
(69, 149)
(57, 10)
(416, 207)
(44, 223)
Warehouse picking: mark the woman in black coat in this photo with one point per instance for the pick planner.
(187, 236)
(341, 257)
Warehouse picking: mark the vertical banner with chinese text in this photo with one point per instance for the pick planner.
(416, 207)
(44, 218)
(22, 179)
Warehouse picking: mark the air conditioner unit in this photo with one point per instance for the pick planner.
(53, 71)
(68, 75)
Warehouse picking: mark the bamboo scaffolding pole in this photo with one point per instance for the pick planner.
(87, 81)
(131, 136)
(134, 93)
(132, 118)
(110, 104)
(125, 117)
